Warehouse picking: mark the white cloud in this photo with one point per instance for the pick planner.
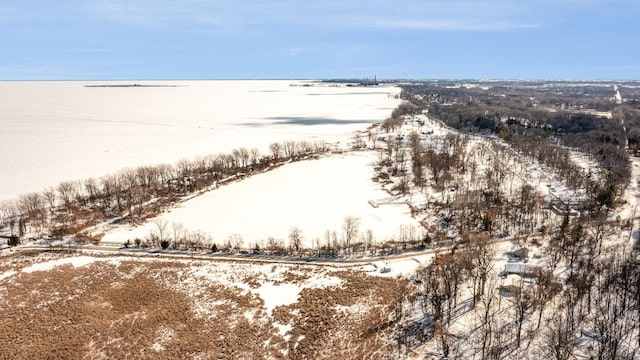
(187, 14)
(235, 15)
(223, 15)
(438, 24)
(296, 51)
(452, 15)
(134, 12)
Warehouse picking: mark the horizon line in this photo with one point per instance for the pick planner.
(391, 79)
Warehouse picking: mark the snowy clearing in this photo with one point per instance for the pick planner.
(78, 261)
(278, 295)
(314, 196)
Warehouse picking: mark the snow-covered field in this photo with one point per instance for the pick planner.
(56, 131)
(116, 307)
(314, 195)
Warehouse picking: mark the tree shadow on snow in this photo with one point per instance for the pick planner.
(306, 121)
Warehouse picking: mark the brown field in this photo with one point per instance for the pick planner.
(117, 308)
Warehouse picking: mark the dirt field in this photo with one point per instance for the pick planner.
(65, 306)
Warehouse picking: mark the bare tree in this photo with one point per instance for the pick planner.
(67, 191)
(560, 337)
(164, 173)
(49, 195)
(612, 324)
(478, 261)
(441, 285)
(544, 290)
(295, 239)
(198, 239)
(276, 150)
(178, 233)
(488, 320)
(91, 188)
(304, 148)
(368, 239)
(254, 155)
(9, 216)
(127, 179)
(275, 246)
(159, 234)
(241, 156)
(290, 148)
(236, 241)
(32, 205)
(320, 146)
(523, 303)
(358, 143)
(112, 190)
(350, 230)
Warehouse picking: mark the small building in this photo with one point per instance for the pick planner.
(519, 252)
(506, 290)
(520, 269)
(12, 240)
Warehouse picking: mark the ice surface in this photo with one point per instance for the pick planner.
(56, 131)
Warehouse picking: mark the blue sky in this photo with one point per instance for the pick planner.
(255, 39)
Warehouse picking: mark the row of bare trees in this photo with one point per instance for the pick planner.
(136, 193)
(350, 241)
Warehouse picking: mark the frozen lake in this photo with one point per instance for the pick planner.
(56, 131)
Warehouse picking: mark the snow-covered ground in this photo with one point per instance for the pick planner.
(314, 195)
(57, 131)
(78, 261)
(46, 265)
(632, 193)
(405, 267)
(519, 168)
(275, 305)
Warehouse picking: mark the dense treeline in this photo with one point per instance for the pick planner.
(594, 312)
(522, 96)
(541, 121)
(581, 297)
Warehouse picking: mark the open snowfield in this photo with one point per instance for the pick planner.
(56, 131)
(314, 195)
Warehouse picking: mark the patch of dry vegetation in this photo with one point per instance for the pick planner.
(119, 308)
(322, 328)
